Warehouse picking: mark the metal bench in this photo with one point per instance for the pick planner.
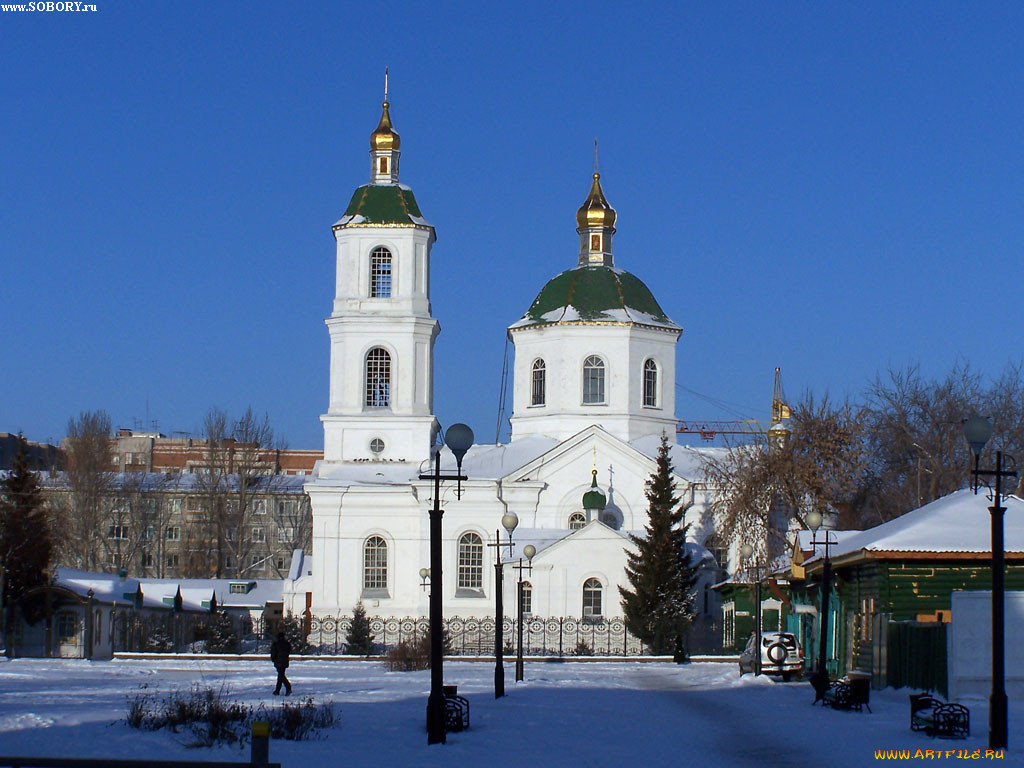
(938, 718)
(456, 710)
(852, 693)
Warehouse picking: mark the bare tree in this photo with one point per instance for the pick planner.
(85, 511)
(229, 533)
(293, 520)
(820, 464)
(865, 464)
(143, 513)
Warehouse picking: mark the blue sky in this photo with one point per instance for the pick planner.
(830, 188)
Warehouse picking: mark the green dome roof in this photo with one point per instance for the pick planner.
(594, 499)
(376, 204)
(595, 294)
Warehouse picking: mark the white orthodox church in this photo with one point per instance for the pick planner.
(594, 390)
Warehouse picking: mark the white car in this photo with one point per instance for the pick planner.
(781, 654)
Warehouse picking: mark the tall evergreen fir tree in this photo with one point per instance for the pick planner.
(660, 604)
(359, 639)
(25, 546)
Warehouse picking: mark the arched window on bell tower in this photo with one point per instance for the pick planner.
(538, 383)
(380, 273)
(378, 378)
(593, 381)
(650, 384)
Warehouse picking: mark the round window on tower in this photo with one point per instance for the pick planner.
(377, 446)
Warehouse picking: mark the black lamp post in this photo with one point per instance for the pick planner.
(814, 521)
(458, 438)
(747, 551)
(978, 431)
(509, 521)
(529, 550)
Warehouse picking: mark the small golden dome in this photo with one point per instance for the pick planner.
(595, 211)
(384, 138)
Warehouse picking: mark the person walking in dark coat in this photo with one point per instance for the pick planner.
(280, 649)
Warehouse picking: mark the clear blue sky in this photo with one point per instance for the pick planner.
(831, 188)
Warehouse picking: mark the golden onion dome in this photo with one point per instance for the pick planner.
(595, 211)
(384, 138)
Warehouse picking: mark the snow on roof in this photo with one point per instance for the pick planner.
(482, 462)
(687, 461)
(302, 565)
(107, 587)
(159, 594)
(959, 522)
(541, 538)
(805, 537)
(493, 461)
(197, 598)
(258, 591)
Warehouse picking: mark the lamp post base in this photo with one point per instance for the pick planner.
(435, 719)
(997, 736)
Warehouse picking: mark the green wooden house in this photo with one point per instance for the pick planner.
(904, 572)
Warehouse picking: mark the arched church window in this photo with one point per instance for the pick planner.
(383, 165)
(591, 598)
(378, 378)
(593, 380)
(380, 271)
(576, 521)
(537, 384)
(527, 598)
(650, 383)
(471, 562)
(375, 564)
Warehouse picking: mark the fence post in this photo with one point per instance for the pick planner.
(561, 653)
(259, 753)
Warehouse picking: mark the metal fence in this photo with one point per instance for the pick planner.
(326, 635)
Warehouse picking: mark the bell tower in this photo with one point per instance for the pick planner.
(382, 333)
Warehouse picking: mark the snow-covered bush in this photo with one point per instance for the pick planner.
(159, 641)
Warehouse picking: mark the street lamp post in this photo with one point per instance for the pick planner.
(509, 521)
(814, 521)
(746, 551)
(458, 438)
(978, 431)
(529, 550)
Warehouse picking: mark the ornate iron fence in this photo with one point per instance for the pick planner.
(326, 635)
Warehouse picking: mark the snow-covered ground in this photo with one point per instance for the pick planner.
(583, 713)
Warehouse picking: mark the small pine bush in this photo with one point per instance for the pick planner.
(582, 649)
(221, 636)
(359, 638)
(294, 633)
(159, 641)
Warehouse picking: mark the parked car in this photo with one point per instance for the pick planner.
(781, 654)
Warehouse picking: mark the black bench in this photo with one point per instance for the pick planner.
(456, 710)
(851, 693)
(938, 718)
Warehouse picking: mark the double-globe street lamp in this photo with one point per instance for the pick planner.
(509, 521)
(746, 552)
(814, 521)
(458, 438)
(529, 551)
(978, 431)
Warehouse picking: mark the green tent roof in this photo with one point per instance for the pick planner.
(382, 204)
(595, 294)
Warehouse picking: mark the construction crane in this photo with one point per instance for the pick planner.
(708, 430)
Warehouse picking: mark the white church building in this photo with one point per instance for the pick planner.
(594, 390)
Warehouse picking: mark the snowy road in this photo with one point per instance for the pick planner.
(593, 714)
